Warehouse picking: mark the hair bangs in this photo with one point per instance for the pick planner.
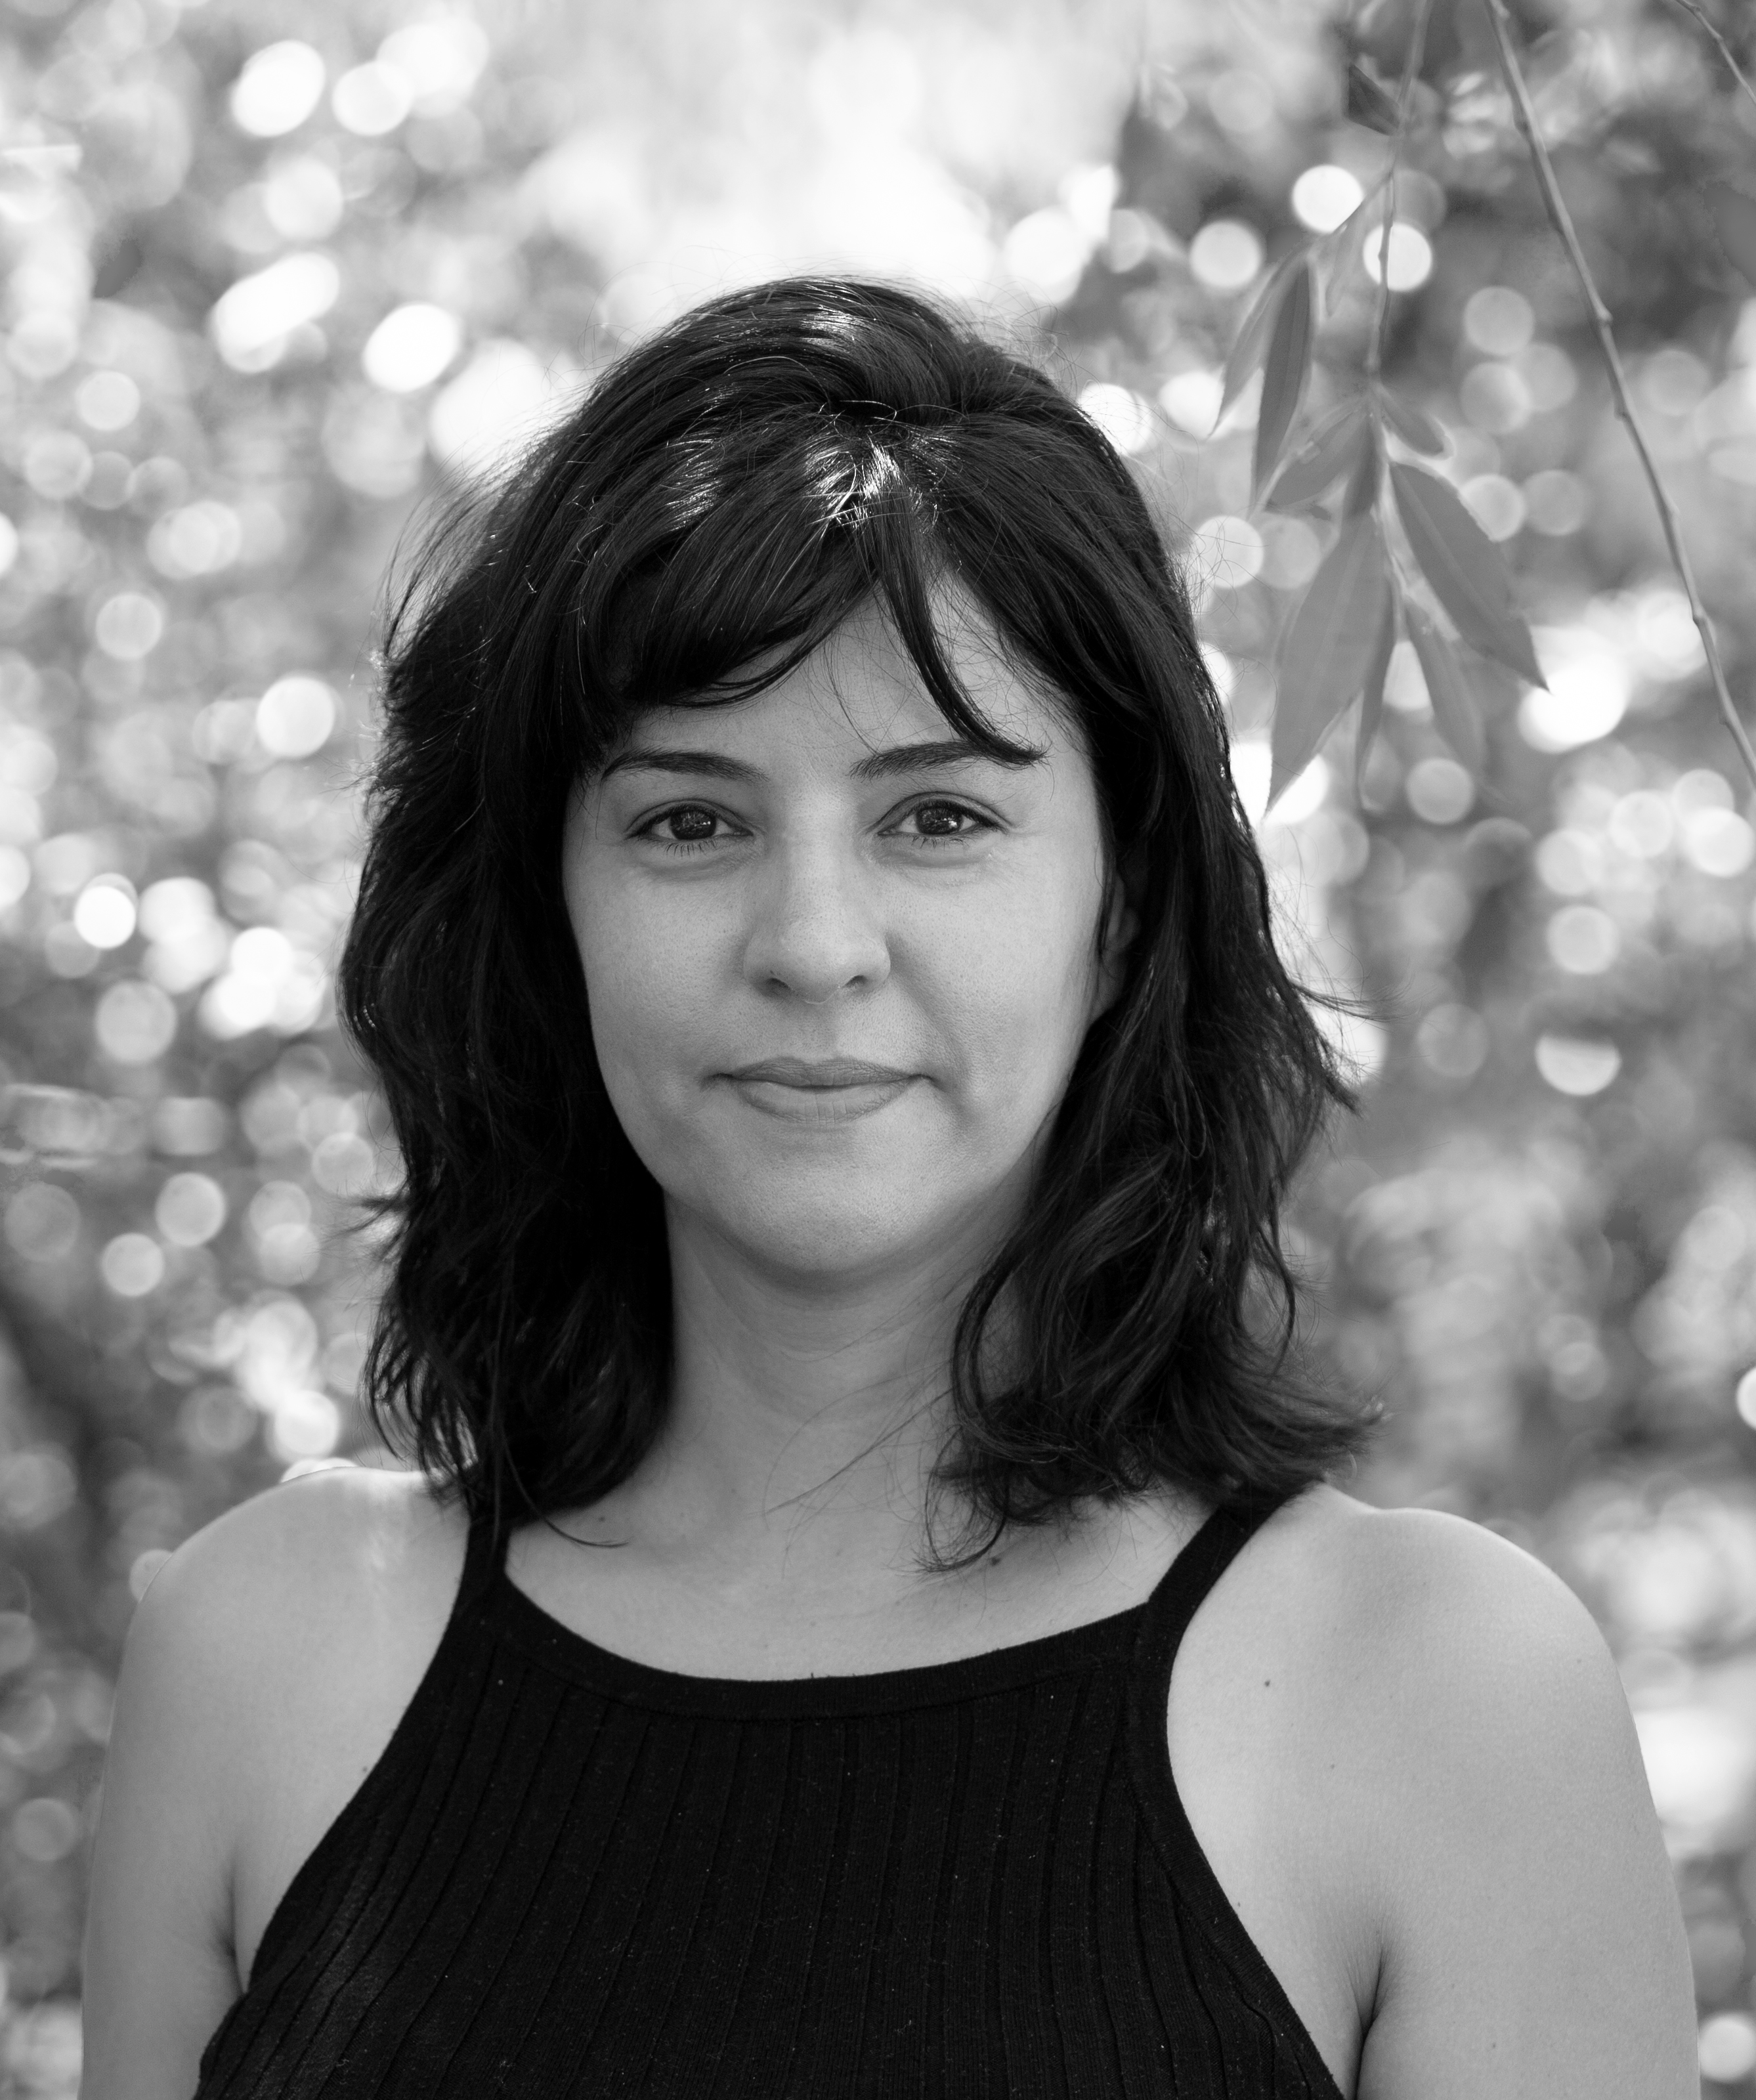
(767, 556)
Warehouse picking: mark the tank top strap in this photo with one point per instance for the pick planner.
(484, 1556)
(1185, 1586)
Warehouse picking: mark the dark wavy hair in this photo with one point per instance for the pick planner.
(726, 494)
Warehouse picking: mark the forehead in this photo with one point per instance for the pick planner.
(862, 690)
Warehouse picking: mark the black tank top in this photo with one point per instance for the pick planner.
(572, 1876)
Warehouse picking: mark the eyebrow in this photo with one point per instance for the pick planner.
(885, 765)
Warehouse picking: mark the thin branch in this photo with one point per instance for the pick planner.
(1737, 72)
(1411, 68)
(1618, 378)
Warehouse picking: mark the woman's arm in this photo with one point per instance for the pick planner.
(1532, 1942)
(267, 1668)
(158, 1967)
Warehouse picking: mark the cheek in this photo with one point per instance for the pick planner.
(1015, 981)
(649, 980)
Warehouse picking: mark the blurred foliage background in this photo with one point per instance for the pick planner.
(278, 271)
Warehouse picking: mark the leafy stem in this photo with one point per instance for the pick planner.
(1737, 72)
(1556, 205)
(1411, 68)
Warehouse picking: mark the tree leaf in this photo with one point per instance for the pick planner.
(1253, 334)
(1734, 216)
(1368, 103)
(1329, 646)
(1464, 567)
(1362, 491)
(1285, 370)
(1415, 427)
(1457, 707)
(1325, 455)
(1372, 694)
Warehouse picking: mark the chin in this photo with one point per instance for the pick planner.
(826, 1229)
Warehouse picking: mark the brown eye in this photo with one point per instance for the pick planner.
(690, 827)
(943, 820)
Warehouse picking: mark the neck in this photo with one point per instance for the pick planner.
(806, 1412)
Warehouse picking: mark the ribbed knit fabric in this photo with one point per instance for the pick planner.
(572, 1876)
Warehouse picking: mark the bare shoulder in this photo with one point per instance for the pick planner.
(297, 1627)
(267, 1656)
(314, 1562)
(1486, 1794)
(1412, 1590)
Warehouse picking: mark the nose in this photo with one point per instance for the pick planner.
(817, 931)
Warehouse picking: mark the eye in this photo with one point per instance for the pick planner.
(944, 823)
(689, 826)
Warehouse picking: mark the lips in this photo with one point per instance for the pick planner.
(820, 1076)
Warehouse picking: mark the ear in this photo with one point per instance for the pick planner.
(1121, 924)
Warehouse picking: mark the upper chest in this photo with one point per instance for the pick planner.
(1233, 1721)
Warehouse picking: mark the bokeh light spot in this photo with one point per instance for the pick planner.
(1498, 321)
(190, 1209)
(1123, 416)
(133, 1022)
(1589, 685)
(217, 1420)
(1583, 940)
(107, 400)
(1719, 841)
(411, 347)
(1440, 791)
(1555, 502)
(1045, 252)
(104, 913)
(277, 89)
(441, 61)
(1577, 1065)
(187, 1126)
(1411, 256)
(1726, 2047)
(302, 199)
(372, 99)
(42, 1222)
(1495, 398)
(344, 1164)
(250, 323)
(295, 716)
(493, 404)
(1224, 553)
(1291, 552)
(1304, 795)
(1324, 195)
(128, 625)
(132, 1264)
(1191, 399)
(45, 1829)
(304, 1424)
(1497, 503)
(1225, 255)
(1453, 1041)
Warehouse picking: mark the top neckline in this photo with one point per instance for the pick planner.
(542, 1639)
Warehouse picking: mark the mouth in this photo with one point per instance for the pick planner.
(819, 1091)
(820, 1074)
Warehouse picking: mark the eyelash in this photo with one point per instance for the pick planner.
(649, 829)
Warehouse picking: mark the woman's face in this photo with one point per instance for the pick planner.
(839, 966)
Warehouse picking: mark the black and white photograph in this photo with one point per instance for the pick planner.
(877, 1050)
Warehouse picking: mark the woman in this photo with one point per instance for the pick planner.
(822, 979)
